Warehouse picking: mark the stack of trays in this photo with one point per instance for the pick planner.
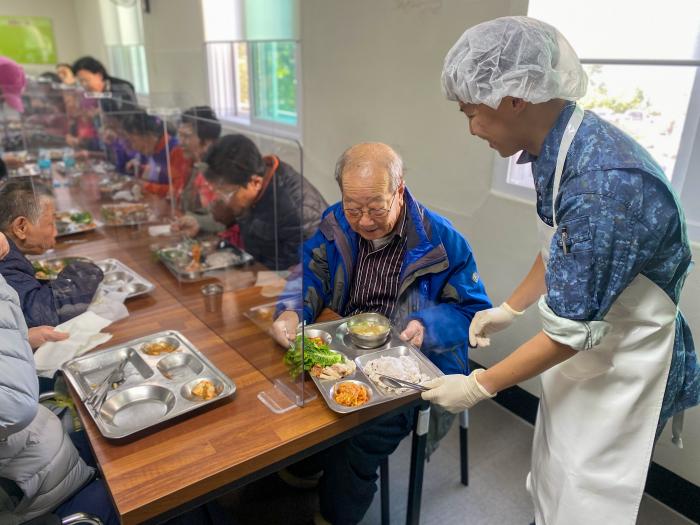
(393, 347)
(156, 388)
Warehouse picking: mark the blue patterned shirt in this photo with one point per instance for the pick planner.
(622, 219)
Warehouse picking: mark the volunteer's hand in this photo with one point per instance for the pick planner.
(486, 322)
(44, 334)
(456, 392)
(4, 246)
(187, 225)
(284, 329)
(413, 333)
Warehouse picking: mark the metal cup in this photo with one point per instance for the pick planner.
(213, 296)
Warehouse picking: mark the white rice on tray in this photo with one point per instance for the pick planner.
(403, 367)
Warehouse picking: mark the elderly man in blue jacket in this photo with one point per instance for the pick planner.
(380, 250)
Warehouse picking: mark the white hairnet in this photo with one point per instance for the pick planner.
(514, 56)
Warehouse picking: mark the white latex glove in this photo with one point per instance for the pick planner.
(413, 333)
(39, 335)
(456, 392)
(284, 329)
(486, 322)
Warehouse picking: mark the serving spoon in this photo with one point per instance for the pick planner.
(393, 382)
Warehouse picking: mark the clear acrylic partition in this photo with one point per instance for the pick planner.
(234, 242)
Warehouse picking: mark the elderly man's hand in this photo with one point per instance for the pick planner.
(44, 334)
(186, 225)
(413, 333)
(4, 246)
(284, 329)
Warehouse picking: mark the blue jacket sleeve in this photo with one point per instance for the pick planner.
(462, 295)
(308, 287)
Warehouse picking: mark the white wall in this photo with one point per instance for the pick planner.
(63, 16)
(174, 40)
(89, 30)
(371, 71)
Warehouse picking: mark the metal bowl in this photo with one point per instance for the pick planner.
(172, 342)
(313, 332)
(359, 383)
(369, 341)
(186, 390)
(107, 267)
(177, 367)
(117, 278)
(139, 406)
(136, 288)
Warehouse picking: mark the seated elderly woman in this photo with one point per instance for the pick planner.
(27, 219)
(272, 204)
(93, 77)
(156, 146)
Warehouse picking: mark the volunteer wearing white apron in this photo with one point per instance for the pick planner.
(616, 358)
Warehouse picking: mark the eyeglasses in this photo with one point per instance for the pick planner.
(228, 195)
(374, 213)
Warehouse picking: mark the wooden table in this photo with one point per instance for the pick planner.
(165, 471)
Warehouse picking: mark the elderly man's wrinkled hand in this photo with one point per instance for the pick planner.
(4, 246)
(456, 392)
(413, 333)
(284, 329)
(45, 334)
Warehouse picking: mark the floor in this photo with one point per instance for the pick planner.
(499, 458)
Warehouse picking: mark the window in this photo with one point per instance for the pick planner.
(253, 62)
(642, 65)
(123, 29)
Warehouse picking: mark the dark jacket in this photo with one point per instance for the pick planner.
(54, 302)
(123, 96)
(439, 282)
(287, 214)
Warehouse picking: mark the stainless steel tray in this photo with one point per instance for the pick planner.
(394, 346)
(126, 214)
(69, 227)
(156, 388)
(177, 264)
(118, 276)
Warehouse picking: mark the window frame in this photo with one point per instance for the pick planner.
(250, 121)
(688, 148)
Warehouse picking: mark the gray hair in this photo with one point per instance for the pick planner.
(21, 197)
(388, 159)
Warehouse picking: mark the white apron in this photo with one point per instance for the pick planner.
(599, 410)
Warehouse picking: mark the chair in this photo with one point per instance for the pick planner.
(418, 453)
(13, 493)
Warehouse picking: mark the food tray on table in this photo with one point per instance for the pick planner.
(165, 376)
(115, 187)
(117, 275)
(70, 222)
(179, 260)
(365, 360)
(126, 214)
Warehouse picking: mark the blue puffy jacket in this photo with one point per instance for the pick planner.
(439, 282)
(50, 303)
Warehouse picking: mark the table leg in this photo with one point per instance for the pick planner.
(464, 447)
(415, 483)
